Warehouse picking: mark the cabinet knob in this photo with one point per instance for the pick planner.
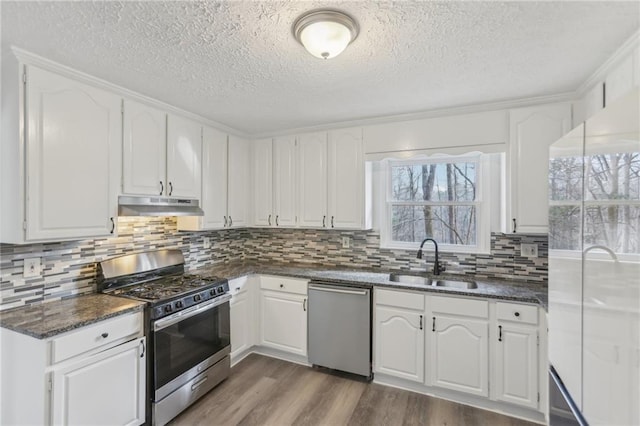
(105, 335)
(281, 285)
(516, 314)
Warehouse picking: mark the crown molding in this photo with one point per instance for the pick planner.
(444, 112)
(601, 72)
(28, 58)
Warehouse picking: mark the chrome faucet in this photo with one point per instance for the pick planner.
(437, 267)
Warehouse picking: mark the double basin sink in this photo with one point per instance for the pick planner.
(417, 279)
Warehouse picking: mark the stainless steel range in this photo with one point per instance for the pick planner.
(188, 326)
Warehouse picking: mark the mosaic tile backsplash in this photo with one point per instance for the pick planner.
(69, 268)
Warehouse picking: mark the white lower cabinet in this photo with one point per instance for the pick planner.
(399, 335)
(483, 350)
(106, 388)
(242, 316)
(283, 314)
(92, 375)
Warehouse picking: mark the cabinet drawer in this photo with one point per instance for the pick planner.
(517, 313)
(456, 306)
(400, 299)
(95, 336)
(290, 285)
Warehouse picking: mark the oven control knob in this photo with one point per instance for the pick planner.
(167, 308)
(179, 304)
(220, 290)
(213, 292)
(197, 298)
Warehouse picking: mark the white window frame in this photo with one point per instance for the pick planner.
(483, 204)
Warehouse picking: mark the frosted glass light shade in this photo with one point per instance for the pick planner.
(325, 34)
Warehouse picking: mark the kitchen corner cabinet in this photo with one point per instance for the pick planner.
(459, 345)
(532, 131)
(184, 157)
(242, 307)
(399, 335)
(144, 156)
(239, 179)
(516, 354)
(274, 165)
(73, 157)
(94, 373)
(283, 314)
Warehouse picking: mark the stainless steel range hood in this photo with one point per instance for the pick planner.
(158, 206)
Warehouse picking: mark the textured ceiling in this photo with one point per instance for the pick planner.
(237, 63)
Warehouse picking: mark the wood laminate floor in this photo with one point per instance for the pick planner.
(268, 391)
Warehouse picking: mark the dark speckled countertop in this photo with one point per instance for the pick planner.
(517, 291)
(50, 319)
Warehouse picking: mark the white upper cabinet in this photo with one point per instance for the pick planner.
(347, 192)
(262, 182)
(73, 158)
(239, 181)
(184, 154)
(144, 149)
(533, 130)
(284, 181)
(620, 81)
(312, 155)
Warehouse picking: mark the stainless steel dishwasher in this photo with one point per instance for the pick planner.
(340, 327)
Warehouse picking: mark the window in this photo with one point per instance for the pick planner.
(439, 197)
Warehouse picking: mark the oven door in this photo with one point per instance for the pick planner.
(188, 342)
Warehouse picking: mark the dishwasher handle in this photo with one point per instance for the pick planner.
(338, 290)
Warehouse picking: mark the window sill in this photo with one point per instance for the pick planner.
(441, 248)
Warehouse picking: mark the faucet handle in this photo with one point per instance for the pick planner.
(442, 267)
(419, 255)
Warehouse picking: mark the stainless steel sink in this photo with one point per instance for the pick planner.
(409, 279)
(455, 284)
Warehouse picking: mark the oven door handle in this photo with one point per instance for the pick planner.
(188, 313)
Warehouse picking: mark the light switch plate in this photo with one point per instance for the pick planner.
(32, 267)
(346, 242)
(206, 242)
(529, 250)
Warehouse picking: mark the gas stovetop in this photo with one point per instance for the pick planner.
(167, 287)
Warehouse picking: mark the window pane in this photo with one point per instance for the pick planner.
(565, 178)
(446, 224)
(616, 227)
(434, 182)
(613, 176)
(564, 227)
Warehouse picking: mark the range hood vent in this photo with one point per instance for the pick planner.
(158, 206)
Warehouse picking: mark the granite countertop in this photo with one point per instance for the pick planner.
(50, 319)
(517, 291)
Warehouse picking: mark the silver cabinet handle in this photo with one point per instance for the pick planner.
(161, 188)
(304, 305)
(332, 221)
(113, 226)
(514, 225)
(323, 221)
(277, 221)
(225, 221)
(420, 322)
(499, 333)
(269, 220)
(142, 344)
(230, 221)
(170, 188)
(434, 324)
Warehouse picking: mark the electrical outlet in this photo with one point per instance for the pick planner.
(206, 242)
(346, 242)
(529, 250)
(31, 267)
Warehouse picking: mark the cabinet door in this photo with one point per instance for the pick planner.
(399, 343)
(214, 178)
(533, 130)
(107, 388)
(262, 182)
(239, 178)
(312, 156)
(184, 153)
(283, 323)
(459, 354)
(240, 323)
(73, 157)
(516, 364)
(284, 180)
(346, 190)
(144, 153)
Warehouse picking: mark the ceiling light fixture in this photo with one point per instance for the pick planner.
(325, 33)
